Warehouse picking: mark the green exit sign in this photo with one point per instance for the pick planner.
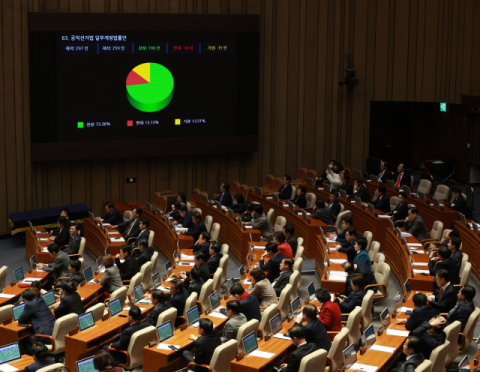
(443, 106)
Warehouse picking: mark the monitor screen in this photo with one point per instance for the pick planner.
(385, 317)
(398, 299)
(9, 352)
(88, 274)
(19, 275)
(107, 251)
(350, 356)
(311, 290)
(86, 365)
(214, 300)
(295, 304)
(168, 267)
(193, 315)
(86, 321)
(250, 342)
(230, 212)
(156, 279)
(464, 365)
(0, 289)
(164, 331)
(230, 283)
(242, 270)
(407, 286)
(138, 292)
(17, 311)
(49, 298)
(276, 324)
(182, 370)
(115, 307)
(99, 262)
(369, 336)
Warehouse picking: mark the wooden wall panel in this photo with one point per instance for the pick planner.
(401, 50)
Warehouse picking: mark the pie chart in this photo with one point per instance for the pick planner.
(149, 87)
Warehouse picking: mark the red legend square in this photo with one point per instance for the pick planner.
(129, 123)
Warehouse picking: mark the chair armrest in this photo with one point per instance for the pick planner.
(200, 365)
(126, 281)
(75, 255)
(61, 278)
(123, 352)
(378, 285)
(133, 250)
(461, 336)
(333, 227)
(200, 309)
(129, 239)
(458, 285)
(63, 246)
(182, 318)
(106, 300)
(46, 336)
(268, 235)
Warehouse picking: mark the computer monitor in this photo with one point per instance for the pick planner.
(392, 226)
(88, 274)
(258, 190)
(475, 227)
(17, 311)
(358, 201)
(250, 342)
(156, 280)
(391, 184)
(311, 291)
(371, 208)
(398, 302)
(115, 307)
(463, 219)
(309, 181)
(343, 195)
(304, 214)
(33, 262)
(350, 356)
(241, 270)
(422, 196)
(436, 202)
(276, 199)
(193, 315)
(464, 365)
(149, 207)
(406, 190)
(138, 292)
(92, 217)
(230, 212)
(168, 268)
(214, 300)
(385, 318)
(295, 304)
(291, 206)
(326, 187)
(107, 251)
(164, 331)
(374, 178)
(159, 212)
(218, 204)
(49, 298)
(9, 353)
(204, 198)
(230, 283)
(86, 321)
(276, 324)
(99, 263)
(86, 365)
(406, 286)
(322, 234)
(19, 275)
(369, 336)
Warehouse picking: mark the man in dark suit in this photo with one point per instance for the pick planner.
(75, 239)
(401, 177)
(203, 244)
(348, 246)
(412, 348)
(358, 268)
(300, 200)
(289, 232)
(185, 219)
(113, 216)
(421, 313)
(454, 246)
(195, 283)
(463, 308)
(129, 266)
(443, 261)
(76, 276)
(40, 354)
(249, 304)
(346, 223)
(134, 318)
(298, 337)
(199, 261)
(60, 266)
(286, 271)
(361, 191)
(144, 254)
(225, 198)
(205, 345)
(178, 297)
(61, 235)
(323, 213)
(161, 304)
(355, 298)
(458, 202)
(385, 173)
(215, 256)
(447, 295)
(381, 202)
(273, 264)
(401, 210)
(285, 191)
(315, 331)
(131, 227)
(36, 313)
(414, 225)
(143, 233)
(334, 204)
(198, 228)
(431, 335)
(71, 301)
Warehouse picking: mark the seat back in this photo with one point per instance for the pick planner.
(120, 293)
(311, 199)
(267, 314)
(270, 215)
(215, 231)
(225, 248)
(301, 175)
(61, 328)
(374, 249)
(353, 324)
(465, 278)
(452, 332)
(277, 183)
(5, 312)
(426, 366)
(294, 192)
(336, 351)
(136, 280)
(299, 241)
(267, 185)
(299, 252)
(245, 329)
(438, 356)
(464, 262)
(199, 210)
(191, 302)
(382, 275)
(280, 223)
(139, 340)
(146, 271)
(312, 173)
(98, 310)
(470, 328)
(338, 222)
(127, 216)
(189, 206)
(218, 281)
(442, 192)
(195, 196)
(223, 355)
(81, 263)
(154, 261)
(424, 186)
(224, 265)
(367, 305)
(243, 190)
(204, 293)
(284, 302)
(51, 367)
(315, 361)
(379, 258)
(234, 188)
(368, 235)
(3, 276)
(437, 230)
(151, 236)
(393, 202)
(298, 265)
(167, 315)
(295, 281)
(81, 249)
(209, 223)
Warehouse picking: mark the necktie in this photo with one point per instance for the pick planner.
(131, 226)
(221, 197)
(381, 174)
(397, 185)
(440, 294)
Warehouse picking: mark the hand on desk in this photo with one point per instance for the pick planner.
(183, 275)
(401, 321)
(174, 222)
(283, 365)
(434, 258)
(112, 227)
(338, 246)
(52, 238)
(192, 337)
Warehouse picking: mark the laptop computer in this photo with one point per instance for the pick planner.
(343, 195)
(369, 336)
(358, 201)
(99, 264)
(276, 199)
(92, 217)
(463, 219)
(291, 206)
(138, 292)
(164, 331)
(276, 324)
(193, 315)
(107, 251)
(149, 207)
(19, 275)
(464, 365)
(214, 300)
(9, 353)
(406, 190)
(295, 305)
(86, 321)
(156, 280)
(218, 205)
(250, 343)
(385, 318)
(374, 178)
(33, 262)
(241, 271)
(204, 198)
(422, 196)
(406, 286)
(309, 181)
(311, 291)
(436, 202)
(115, 307)
(86, 365)
(168, 268)
(49, 298)
(88, 274)
(230, 284)
(350, 356)
(326, 187)
(17, 311)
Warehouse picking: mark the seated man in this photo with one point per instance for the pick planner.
(174, 213)
(203, 244)
(385, 173)
(334, 204)
(454, 246)
(431, 335)
(129, 266)
(315, 331)
(329, 313)
(458, 202)
(361, 191)
(239, 204)
(412, 348)
(185, 219)
(199, 261)
(235, 320)
(76, 276)
(178, 298)
(345, 183)
(160, 303)
(285, 191)
(61, 235)
(71, 302)
(60, 266)
(414, 225)
(358, 268)
(195, 283)
(446, 298)
(198, 226)
(113, 216)
(381, 202)
(36, 313)
(205, 345)
(249, 304)
(421, 313)
(348, 246)
(291, 238)
(273, 264)
(464, 307)
(346, 223)
(130, 228)
(145, 253)
(260, 221)
(262, 288)
(449, 236)
(247, 215)
(401, 177)
(74, 242)
(323, 213)
(144, 233)
(225, 197)
(282, 245)
(300, 200)
(297, 335)
(40, 354)
(286, 271)
(134, 318)
(401, 210)
(215, 256)
(443, 261)
(36, 286)
(355, 298)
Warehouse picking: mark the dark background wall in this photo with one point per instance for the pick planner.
(418, 50)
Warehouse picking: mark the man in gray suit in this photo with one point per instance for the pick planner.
(286, 271)
(260, 221)
(412, 349)
(414, 225)
(59, 268)
(234, 322)
(75, 239)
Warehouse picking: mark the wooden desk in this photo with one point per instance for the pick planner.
(22, 363)
(31, 245)
(96, 241)
(17, 291)
(470, 243)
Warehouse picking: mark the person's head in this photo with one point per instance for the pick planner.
(258, 209)
(344, 175)
(309, 312)
(36, 286)
(103, 360)
(333, 196)
(40, 351)
(444, 253)
(233, 308)
(143, 245)
(412, 346)
(301, 190)
(442, 277)
(467, 293)
(205, 327)
(109, 207)
(359, 181)
(322, 295)
(198, 258)
(53, 250)
(65, 213)
(257, 275)
(358, 281)
(383, 165)
(74, 230)
(204, 237)
(337, 167)
(402, 196)
(176, 205)
(107, 261)
(360, 243)
(176, 286)
(271, 249)
(288, 230)
(297, 335)
(436, 329)
(287, 179)
(61, 221)
(237, 291)
(381, 190)
(401, 168)
(215, 248)
(144, 223)
(195, 273)
(183, 210)
(225, 187)
(124, 251)
(346, 222)
(134, 314)
(412, 213)
(419, 299)
(239, 199)
(61, 369)
(456, 192)
(331, 163)
(158, 297)
(320, 203)
(249, 208)
(69, 287)
(350, 233)
(454, 244)
(349, 268)
(454, 233)
(28, 295)
(182, 198)
(286, 264)
(196, 217)
(279, 237)
(136, 213)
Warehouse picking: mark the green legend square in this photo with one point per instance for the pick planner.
(80, 124)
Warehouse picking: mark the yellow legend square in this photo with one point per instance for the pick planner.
(177, 121)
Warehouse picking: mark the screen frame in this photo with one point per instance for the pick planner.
(19, 351)
(15, 307)
(83, 360)
(110, 309)
(90, 326)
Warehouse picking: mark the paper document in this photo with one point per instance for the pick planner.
(415, 245)
(164, 289)
(258, 247)
(338, 273)
(262, 354)
(417, 252)
(406, 235)
(187, 257)
(385, 349)
(128, 308)
(166, 347)
(352, 201)
(248, 227)
(285, 205)
(320, 188)
(420, 264)
(308, 214)
(29, 280)
(415, 271)
(4, 295)
(332, 297)
(282, 336)
(145, 302)
(369, 180)
(170, 279)
(7, 368)
(269, 197)
(118, 240)
(405, 309)
(217, 315)
(363, 367)
(393, 332)
(44, 239)
(44, 249)
(330, 240)
(181, 228)
(437, 162)
(338, 260)
(384, 216)
(106, 224)
(337, 278)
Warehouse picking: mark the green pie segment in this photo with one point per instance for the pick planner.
(155, 92)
